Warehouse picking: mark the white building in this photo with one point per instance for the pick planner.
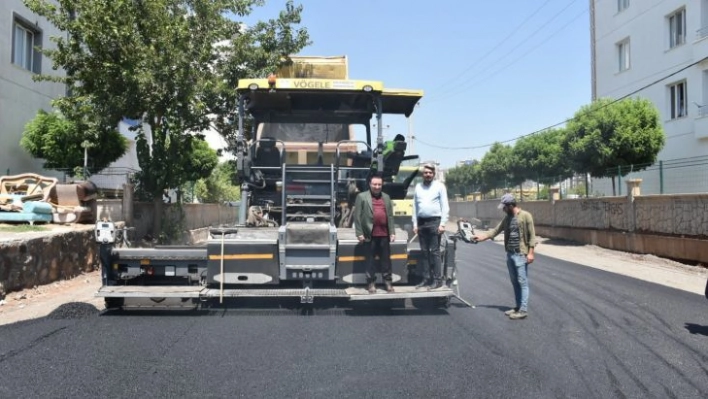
(656, 49)
(21, 97)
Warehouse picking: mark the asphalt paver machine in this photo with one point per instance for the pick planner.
(299, 175)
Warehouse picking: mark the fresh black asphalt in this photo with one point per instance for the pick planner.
(590, 334)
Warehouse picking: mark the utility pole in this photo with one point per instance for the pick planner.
(593, 53)
(86, 144)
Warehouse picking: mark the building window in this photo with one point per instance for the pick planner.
(23, 47)
(677, 98)
(677, 28)
(623, 55)
(622, 5)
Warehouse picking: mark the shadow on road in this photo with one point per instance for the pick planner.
(239, 307)
(66, 311)
(697, 329)
(497, 307)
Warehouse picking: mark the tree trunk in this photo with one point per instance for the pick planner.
(521, 192)
(157, 216)
(614, 189)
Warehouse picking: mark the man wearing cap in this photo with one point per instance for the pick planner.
(430, 213)
(519, 242)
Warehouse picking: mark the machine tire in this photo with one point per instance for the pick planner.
(114, 303)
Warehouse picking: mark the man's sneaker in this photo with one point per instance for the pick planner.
(511, 311)
(437, 284)
(389, 287)
(518, 315)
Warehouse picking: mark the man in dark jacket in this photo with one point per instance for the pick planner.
(373, 224)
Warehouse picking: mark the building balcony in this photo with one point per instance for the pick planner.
(700, 46)
(700, 124)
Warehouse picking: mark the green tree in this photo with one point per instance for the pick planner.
(173, 64)
(202, 162)
(606, 136)
(58, 141)
(463, 179)
(218, 188)
(495, 167)
(540, 157)
(199, 165)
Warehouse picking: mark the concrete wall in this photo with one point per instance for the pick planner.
(672, 226)
(685, 215)
(30, 259)
(33, 259)
(195, 215)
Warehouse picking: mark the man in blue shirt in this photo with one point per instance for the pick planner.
(430, 214)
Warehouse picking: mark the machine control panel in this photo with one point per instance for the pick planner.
(466, 231)
(105, 232)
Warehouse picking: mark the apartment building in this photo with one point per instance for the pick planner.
(658, 50)
(21, 32)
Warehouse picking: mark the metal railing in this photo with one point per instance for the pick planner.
(673, 176)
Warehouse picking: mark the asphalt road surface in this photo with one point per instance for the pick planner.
(590, 334)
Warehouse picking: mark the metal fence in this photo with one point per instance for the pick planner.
(676, 176)
(113, 178)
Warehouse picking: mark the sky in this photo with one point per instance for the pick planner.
(491, 71)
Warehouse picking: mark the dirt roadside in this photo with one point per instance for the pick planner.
(42, 301)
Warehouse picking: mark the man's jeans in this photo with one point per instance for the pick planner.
(518, 273)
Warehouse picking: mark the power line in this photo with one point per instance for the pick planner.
(569, 119)
(465, 87)
(529, 37)
(619, 88)
(495, 47)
